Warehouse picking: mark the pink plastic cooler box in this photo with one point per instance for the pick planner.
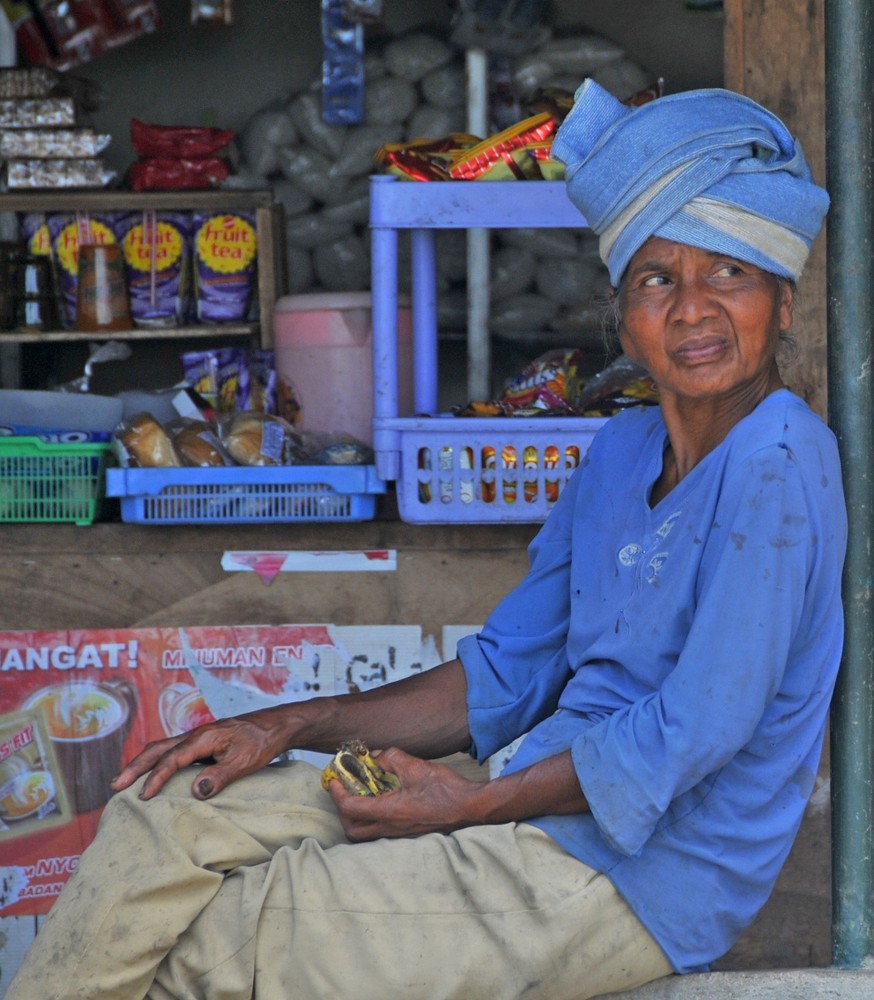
(324, 349)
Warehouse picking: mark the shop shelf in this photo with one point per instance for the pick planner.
(451, 469)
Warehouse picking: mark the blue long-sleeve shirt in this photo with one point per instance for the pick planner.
(686, 654)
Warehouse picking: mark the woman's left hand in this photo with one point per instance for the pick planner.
(432, 798)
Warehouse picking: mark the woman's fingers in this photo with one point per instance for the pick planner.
(229, 749)
(426, 801)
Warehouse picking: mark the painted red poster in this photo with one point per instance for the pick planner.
(75, 705)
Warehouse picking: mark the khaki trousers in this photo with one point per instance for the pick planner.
(258, 894)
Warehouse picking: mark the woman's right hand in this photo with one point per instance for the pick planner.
(231, 749)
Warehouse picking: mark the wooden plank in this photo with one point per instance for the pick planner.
(775, 54)
(107, 576)
(64, 200)
(131, 539)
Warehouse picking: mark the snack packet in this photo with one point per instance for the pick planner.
(157, 261)
(225, 252)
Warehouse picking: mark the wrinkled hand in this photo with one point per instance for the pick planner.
(432, 798)
(232, 748)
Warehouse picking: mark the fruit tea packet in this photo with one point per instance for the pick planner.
(67, 231)
(225, 250)
(157, 262)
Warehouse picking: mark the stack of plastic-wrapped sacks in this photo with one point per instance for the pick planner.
(415, 87)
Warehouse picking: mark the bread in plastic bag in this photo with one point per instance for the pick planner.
(197, 444)
(144, 443)
(261, 439)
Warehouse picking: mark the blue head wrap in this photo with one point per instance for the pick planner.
(708, 168)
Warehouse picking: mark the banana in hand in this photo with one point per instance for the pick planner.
(359, 773)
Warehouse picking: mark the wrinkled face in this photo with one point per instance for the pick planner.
(702, 324)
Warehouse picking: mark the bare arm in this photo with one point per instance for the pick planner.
(433, 797)
(425, 715)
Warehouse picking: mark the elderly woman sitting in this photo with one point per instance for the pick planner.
(670, 658)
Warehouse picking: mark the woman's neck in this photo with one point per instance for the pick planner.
(695, 427)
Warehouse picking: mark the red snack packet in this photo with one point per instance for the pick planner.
(181, 141)
(163, 172)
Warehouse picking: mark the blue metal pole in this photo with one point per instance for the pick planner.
(849, 160)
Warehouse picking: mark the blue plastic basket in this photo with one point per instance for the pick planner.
(461, 470)
(239, 495)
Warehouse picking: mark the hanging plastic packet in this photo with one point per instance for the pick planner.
(157, 263)
(225, 256)
(219, 12)
(342, 66)
(363, 11)
(262, 381)
(110, 350)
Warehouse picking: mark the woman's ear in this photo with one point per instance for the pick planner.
(786, 304)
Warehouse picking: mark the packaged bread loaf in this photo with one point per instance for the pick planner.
(146, 443)
(197, 444)
(253, 438)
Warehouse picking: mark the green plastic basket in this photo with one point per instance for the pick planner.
(42, 481)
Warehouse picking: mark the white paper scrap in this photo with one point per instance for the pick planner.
(313, 561)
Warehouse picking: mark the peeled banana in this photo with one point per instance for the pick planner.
(359, 773)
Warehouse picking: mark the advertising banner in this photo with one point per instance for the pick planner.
(75, 705)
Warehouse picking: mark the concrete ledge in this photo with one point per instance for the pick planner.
(789, 984)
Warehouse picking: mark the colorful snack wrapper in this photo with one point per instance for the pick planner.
(225, 265)
(479, 161)
(51, 143)
(220, 376)
(39, 174)
(178, 140)
(157, 260)
(56, 112)
(155, 173)
(32, 81)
